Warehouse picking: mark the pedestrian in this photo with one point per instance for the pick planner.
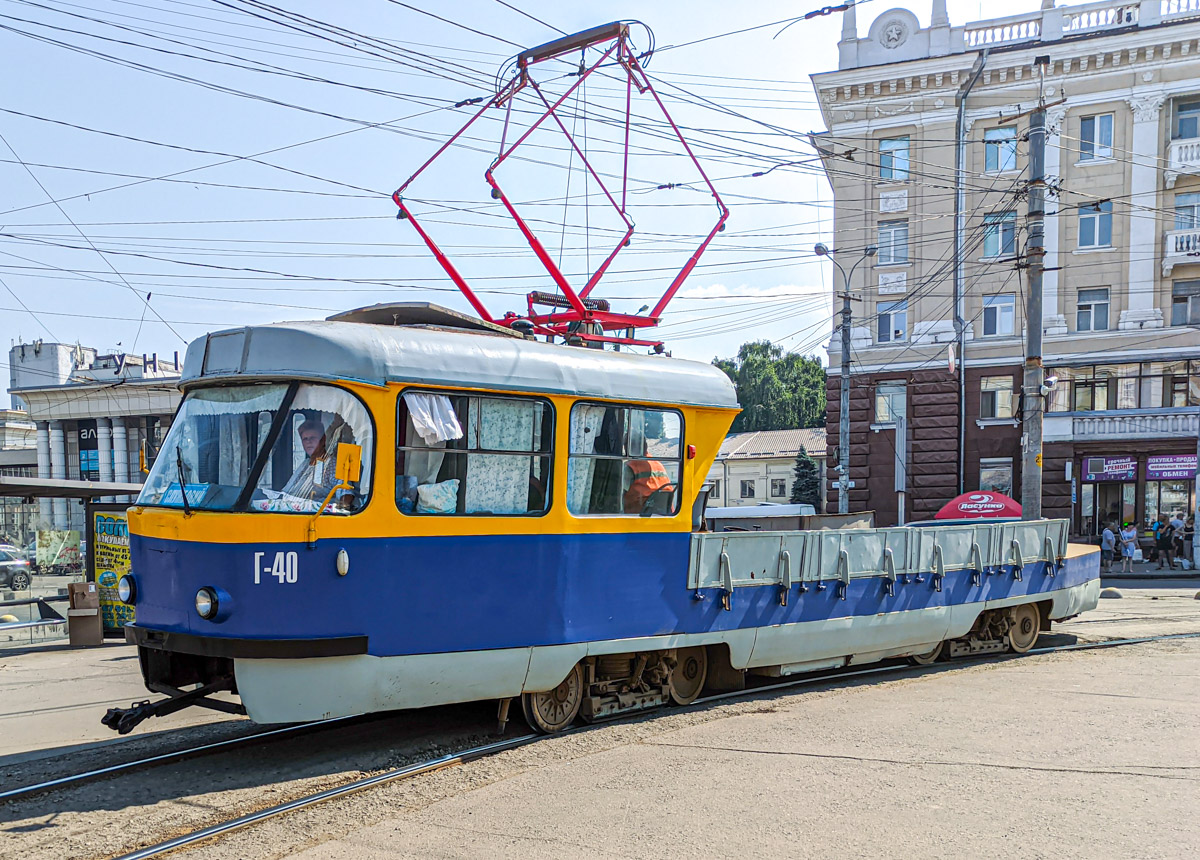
(1164, 542)
(1189, 534)
(1177, 534)
(1108, 542)
(1128, 545)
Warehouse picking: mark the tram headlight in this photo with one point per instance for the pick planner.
(206, 603)
(127, 589)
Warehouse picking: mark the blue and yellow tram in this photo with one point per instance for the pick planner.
(399, 507)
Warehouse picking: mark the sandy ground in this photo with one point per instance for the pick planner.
(1091, 753)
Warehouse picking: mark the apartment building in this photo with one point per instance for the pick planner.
(938, 334)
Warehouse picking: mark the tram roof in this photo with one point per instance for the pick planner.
(443, 356)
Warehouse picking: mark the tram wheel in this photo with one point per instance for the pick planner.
(929, 657)
(555, 710)
(690, 673)
(1023, 629)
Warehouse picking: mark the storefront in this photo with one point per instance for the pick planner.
(1132, 488)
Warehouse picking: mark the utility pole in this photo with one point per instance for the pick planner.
(960, 324)
(844, 410)
(901, 466)
(844, 484)
(1033, 403)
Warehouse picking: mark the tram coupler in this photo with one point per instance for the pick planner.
(125, 720)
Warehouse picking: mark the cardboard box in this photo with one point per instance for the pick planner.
(85, 627)
(84, 595)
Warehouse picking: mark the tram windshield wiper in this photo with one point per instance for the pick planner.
(187, 509)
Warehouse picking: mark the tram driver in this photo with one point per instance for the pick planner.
(315, 477)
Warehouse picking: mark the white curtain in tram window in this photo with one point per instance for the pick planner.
(433, 416)
(264, 428)
(424, 465)
(339, 409)
(635, 434)
(586, 422)
(234, 447)
(496, 482)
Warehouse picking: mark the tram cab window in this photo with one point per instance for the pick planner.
(461, 454)
(216, 450)
(624, 460)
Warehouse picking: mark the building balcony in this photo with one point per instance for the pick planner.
(1131, 424)
(1183, 159)
(1179, 247)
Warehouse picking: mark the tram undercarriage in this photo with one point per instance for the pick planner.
(610, 685)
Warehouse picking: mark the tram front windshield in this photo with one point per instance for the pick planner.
(269, 448)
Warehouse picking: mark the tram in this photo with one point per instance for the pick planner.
(401, 507)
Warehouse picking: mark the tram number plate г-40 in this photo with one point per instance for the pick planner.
(285, 567)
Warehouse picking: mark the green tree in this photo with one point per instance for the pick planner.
(806, 488)
(776, 390)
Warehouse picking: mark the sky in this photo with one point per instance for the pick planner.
(174, 167)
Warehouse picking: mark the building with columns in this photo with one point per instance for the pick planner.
(95, 415)
(927, 152)
(18, 518)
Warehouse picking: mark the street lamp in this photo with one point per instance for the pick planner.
(843, 466)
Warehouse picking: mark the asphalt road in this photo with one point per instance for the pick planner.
(1081, 754)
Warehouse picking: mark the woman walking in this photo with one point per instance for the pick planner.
(1128, 545)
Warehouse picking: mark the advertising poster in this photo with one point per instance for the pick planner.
(57, 551)
(109, 549)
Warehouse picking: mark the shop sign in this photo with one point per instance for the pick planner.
(1111, 468)
(1173, 468)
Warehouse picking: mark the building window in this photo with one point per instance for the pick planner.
(996, 475)
(624, 460)
(1000, 149)
(1095, 225)
(893, 158)
(715, 493)
(778, 488)
(1096, 137)
(996, 397)
(1187, 211)
(998, 314)
(892, 323)
(747, 489)
(1185, 303)
(1187, 120)
(893, 242)
(1148, 385)
(889, 402)
(1000, 234)
(1091, 314)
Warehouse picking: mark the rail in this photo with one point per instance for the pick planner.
(483, 751)
(727, 561)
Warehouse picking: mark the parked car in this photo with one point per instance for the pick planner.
(14, 571)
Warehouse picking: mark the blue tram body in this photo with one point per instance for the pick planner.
(528, 562)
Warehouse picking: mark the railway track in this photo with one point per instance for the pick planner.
(176, 755)
(481, 751)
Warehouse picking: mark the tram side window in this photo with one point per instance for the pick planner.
(473, 455)
(624, 460)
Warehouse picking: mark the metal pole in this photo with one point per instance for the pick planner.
(960, 324)
(1196, 512)
(844, 406)
(901, 466)
(1034, 403)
